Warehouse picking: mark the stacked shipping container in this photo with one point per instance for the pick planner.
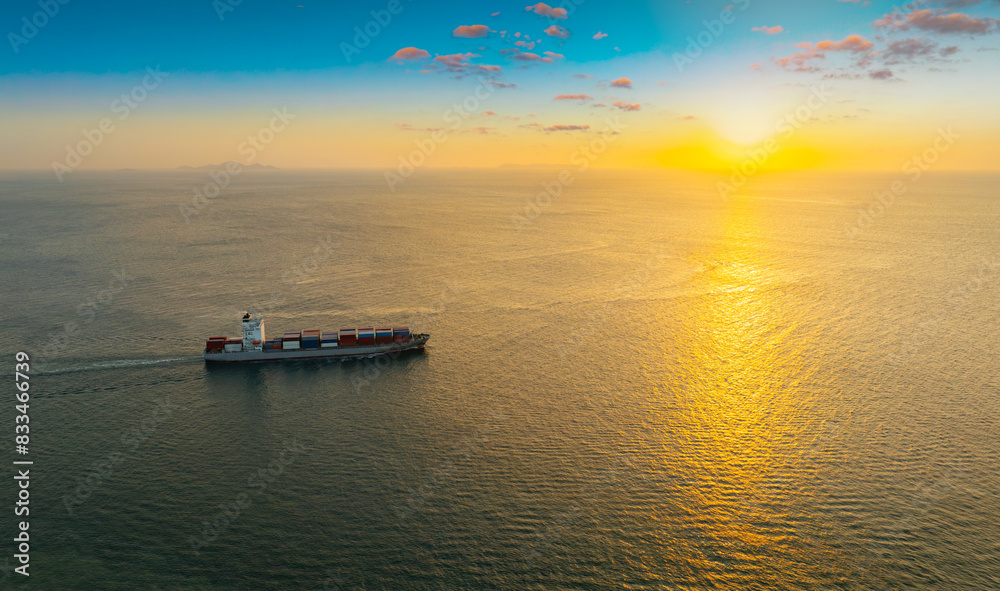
(316, 339)
(310, 339)
(215, 344)
(348, 337)
(292, 340)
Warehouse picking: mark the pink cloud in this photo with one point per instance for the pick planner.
(544, 9)
(410, 53)
(573, 97)
(567, 128)
(937, 22)
(854, 43)
(495, 14)
(600, 35)
(769, 30)
(553, 54)
(622, 83)
(525, 44)
(557, 31)
(626, 106)
(799, 62)
(488, 114)
(471, 31)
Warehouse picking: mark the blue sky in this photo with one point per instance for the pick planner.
(264, 36)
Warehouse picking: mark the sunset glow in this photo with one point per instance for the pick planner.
(840, 85)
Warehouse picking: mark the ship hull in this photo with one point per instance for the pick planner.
(352, 352)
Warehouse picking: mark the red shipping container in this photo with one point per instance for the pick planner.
(348, 337)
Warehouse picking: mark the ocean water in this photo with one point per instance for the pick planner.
(633, 384)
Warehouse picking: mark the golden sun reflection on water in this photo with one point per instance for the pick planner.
(746, 413)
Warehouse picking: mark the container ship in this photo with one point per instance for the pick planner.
(310, 344)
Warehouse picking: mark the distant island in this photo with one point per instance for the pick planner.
(537, 165)
(254, 166)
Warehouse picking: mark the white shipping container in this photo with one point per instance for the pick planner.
(328, 345)
(234, 348)
(290, 345)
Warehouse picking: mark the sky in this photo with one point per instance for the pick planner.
(697, 84)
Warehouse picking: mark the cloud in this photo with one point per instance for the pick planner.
(880, 74)
(688, 117)
(488, 114)
(408, 127)
(600, 35)
(459, 63)
(410, 53)
(626, 106)
(501, 84)
(471, 31)
(936, 21)
(553, 54)
(496, 13)
(557, 31)
(567, 128)
(525, 56)
(573, 97)
(854, 43)
(543, 9)
(950, 50)
(769, 30)
(582, 76)
(525, 44)
(455, 60)
(622, 83)
(905, 50)
(799, 62)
